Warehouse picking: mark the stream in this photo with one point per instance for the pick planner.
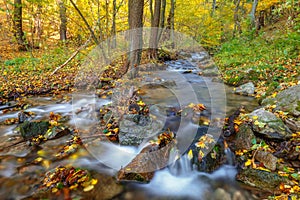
(180, 84)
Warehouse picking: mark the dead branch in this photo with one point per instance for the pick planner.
(72, 56)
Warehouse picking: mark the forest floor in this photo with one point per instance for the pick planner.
(269, 58)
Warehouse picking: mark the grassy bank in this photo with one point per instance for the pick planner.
(270, 58)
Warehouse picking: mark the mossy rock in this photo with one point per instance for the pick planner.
(269, 125)
(267, 181)
(32, 129)
(287, 100)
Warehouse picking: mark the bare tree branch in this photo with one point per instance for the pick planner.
(86, 23)
(72, 56)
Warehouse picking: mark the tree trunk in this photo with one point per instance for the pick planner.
(261, 20)
(17, 22)
(151, 10)
(214, 2)
(170, 23)
(237, 24)
(63, 20)
(162, 17)
(107, 25)
(113, 26)
(252, 14)
(135, 20)
(153, 42)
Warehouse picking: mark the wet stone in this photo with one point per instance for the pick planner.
(245, 89)
(221, 194)
(32, 129)
(135, 128)
(266, 181)
(287, 100)
(267, 159)
(243, 138)
(269, 125)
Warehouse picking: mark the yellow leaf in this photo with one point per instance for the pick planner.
(39, 159)
(73, 186)
(248, 162)
(206, 123)
(190, 154)
(201, 154)
(239, 153)
(116, 130)
(256, 122)
(237, 121)
(200, 144)
(46, 163)
(273, 106)
(88, 188)
(264, 169)
(42, 153)
(53, 123)
(191, 105)
(108, 133)
(140, 103)
(54, 190)
(255, 117)
(94, 181)
(274, 94)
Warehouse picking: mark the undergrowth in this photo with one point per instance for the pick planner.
(271, 62)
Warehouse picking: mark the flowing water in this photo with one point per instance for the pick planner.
(180, 180)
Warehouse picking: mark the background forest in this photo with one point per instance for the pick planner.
(38, 36)
(44, 43)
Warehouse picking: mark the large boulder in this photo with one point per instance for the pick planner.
(266, 181)
(244, 137)
(135, 128)
(210, 72)
(32, 129)
(293, 124)
(245, 89)
(107, 188)
(267, 159)
(150, 159)
(270, 126)
(287, 100)
(213, 160)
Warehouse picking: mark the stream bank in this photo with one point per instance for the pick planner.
(22, 161)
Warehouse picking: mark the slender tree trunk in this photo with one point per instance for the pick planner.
(261, 20)
(237, 24)
(162, 17)
(153, 42)
(17, 23)
(91, 30)
(99, 16)
(113, 26)
(170, 23)
(38, 24)
(86, 23)
(107, 25)
(252, 14)
(151, 11)
(135, 20)
(9, 17)
(213, 9)
(63, 20)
